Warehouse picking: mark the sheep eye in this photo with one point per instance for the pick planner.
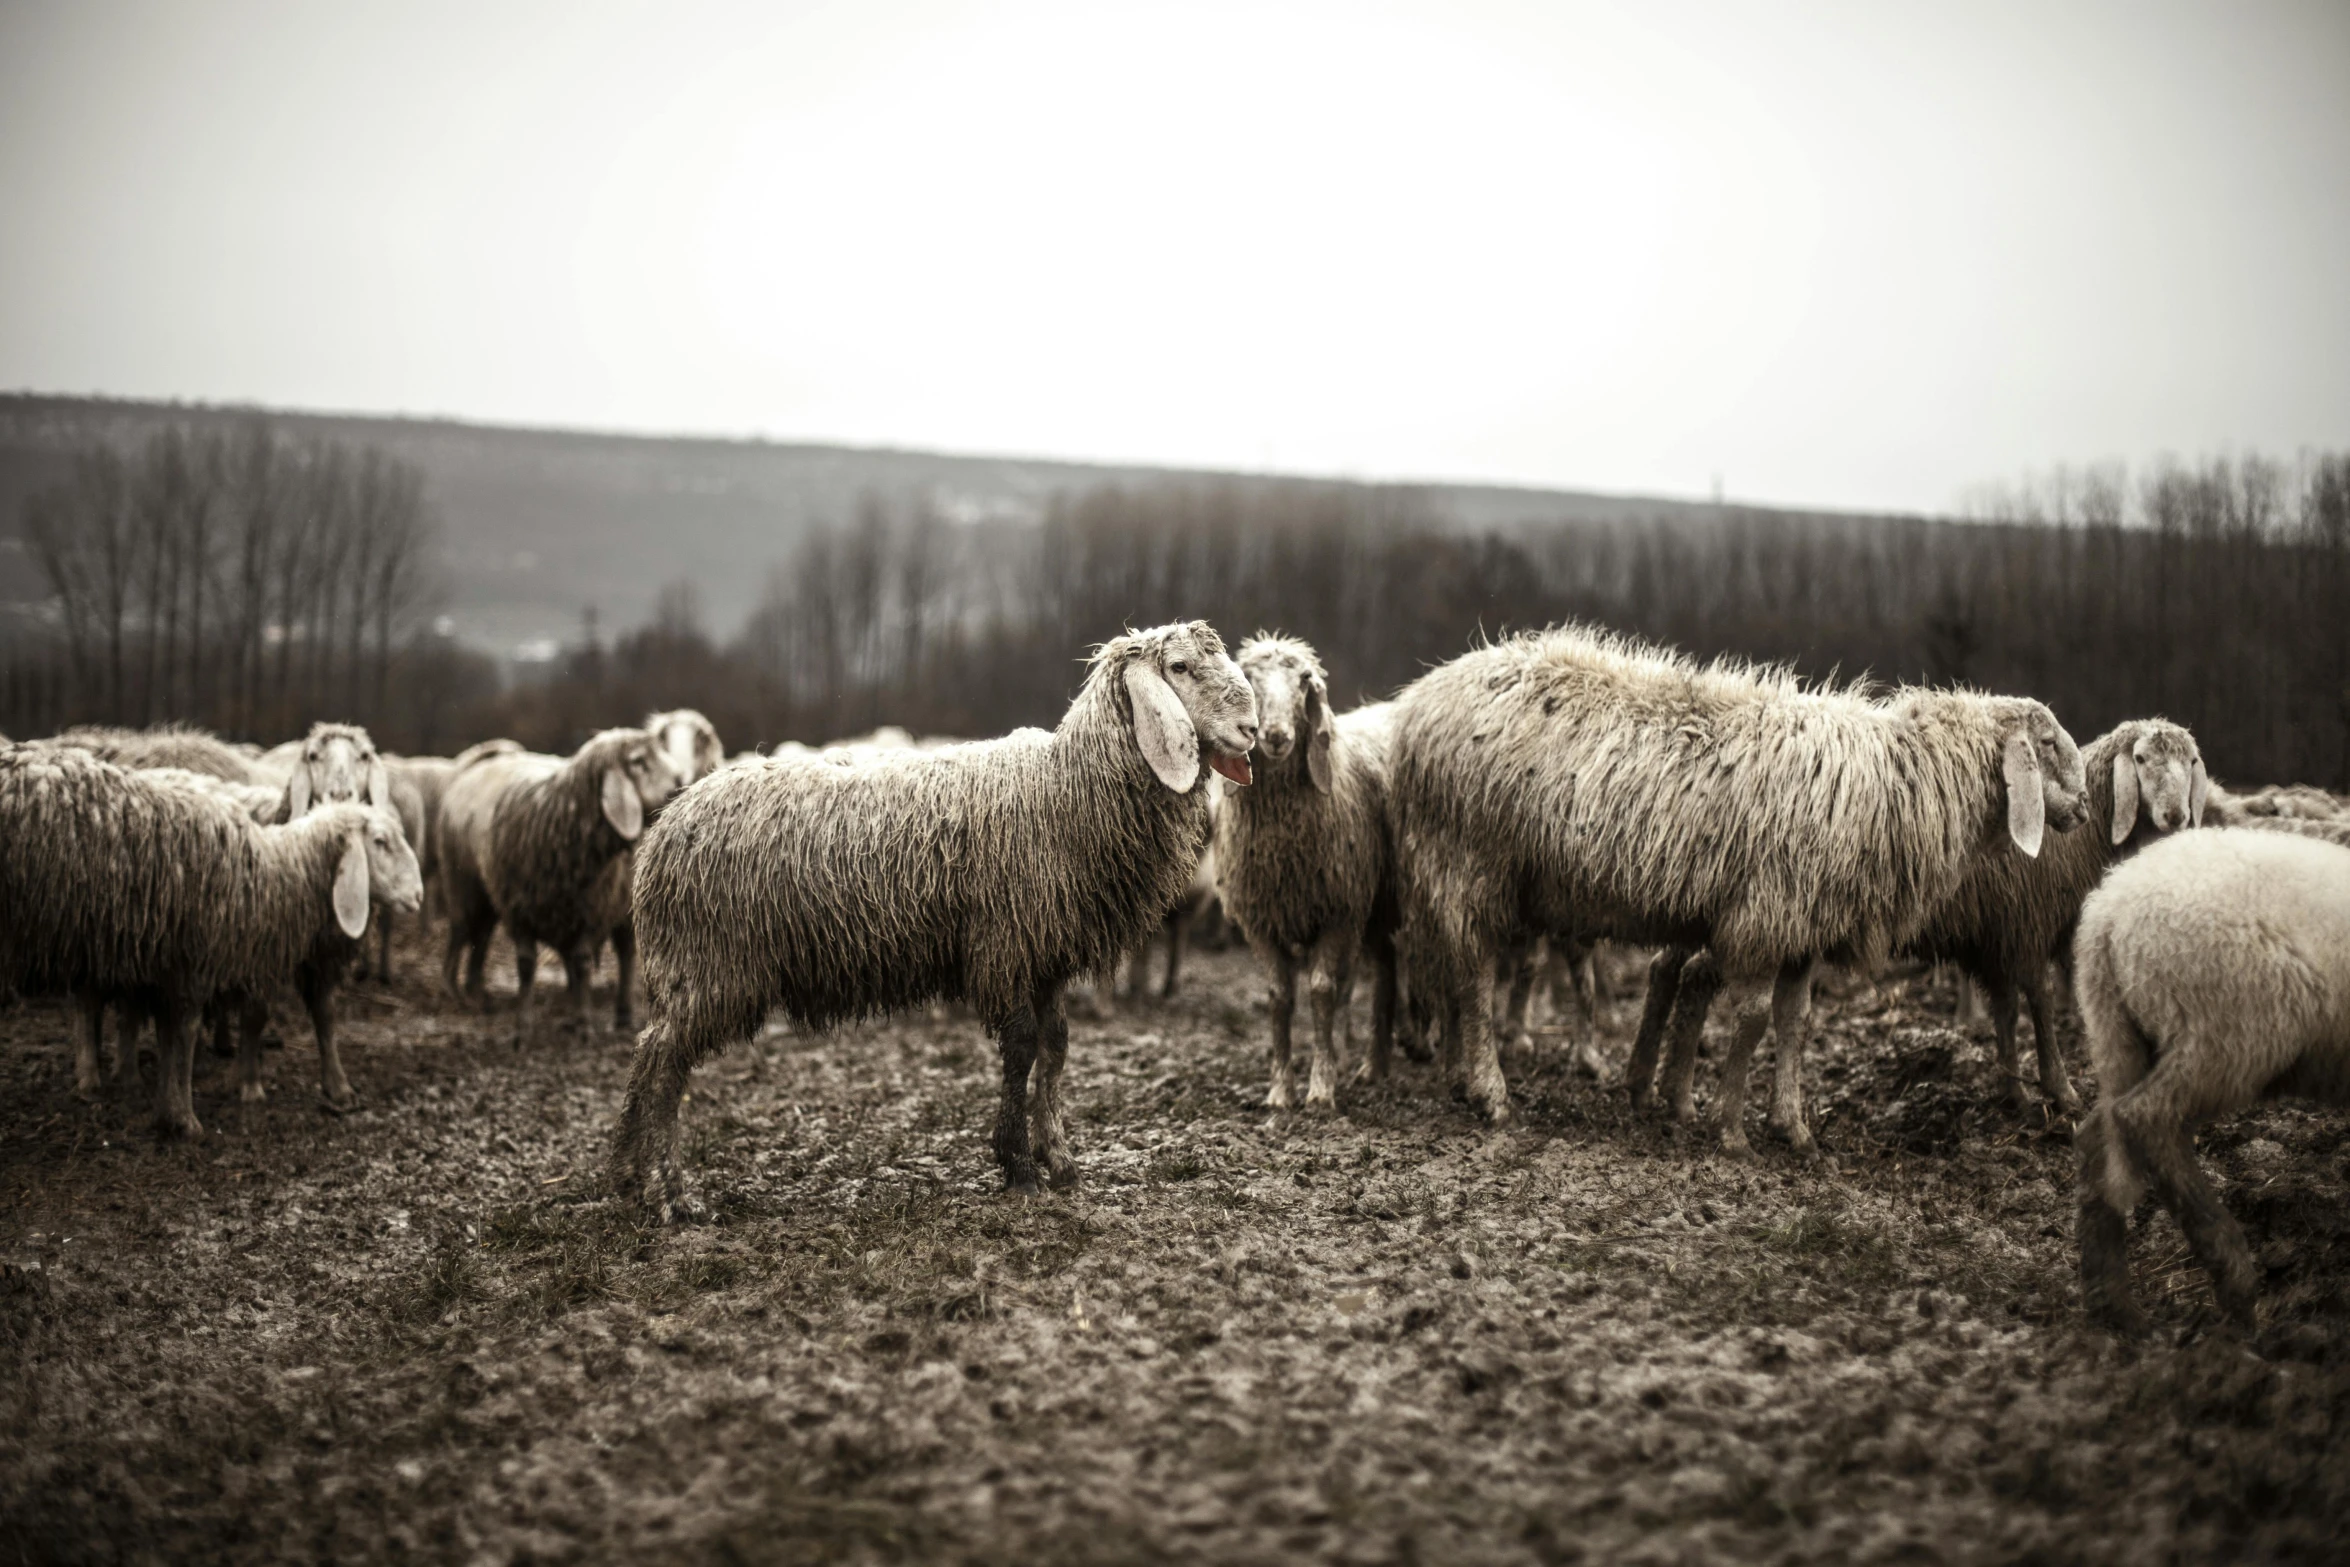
(1179, 667)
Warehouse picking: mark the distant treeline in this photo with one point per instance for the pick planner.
(2217, 594)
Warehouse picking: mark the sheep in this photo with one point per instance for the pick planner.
(1303, 863)
(171, 745)
(2212, 972)
(691, 744)
(989, 872)
(1573, 780)
(528, 841)
(122, 886)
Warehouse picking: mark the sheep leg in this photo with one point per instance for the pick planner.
(1790, 1025)
(1999, 993)
(1664, 983)
(175, 1053)
(1049, 1136)
(624, 960)
(1016, 1040)
(2054, 1083)
(2155, 1133)
(1701, 981)
(1331, 981)
(1517, 963)
(526, 974)
(1754, 1020)
(579, 971)
(1476, 1061)
(317, 986)
(1376, 1065)
(1178, 935)
(1281, 998)
(2104, 1233)
(89, 1021)
(644, 1147)
(250, 1013)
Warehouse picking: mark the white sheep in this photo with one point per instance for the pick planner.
(2212, 972)
(1571, 780)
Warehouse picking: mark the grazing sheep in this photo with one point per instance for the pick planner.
(169, 745)
(989, 872)
(530, 841)
(119, 886)
(1303, 863)
(1574, 780)
(2212, 971)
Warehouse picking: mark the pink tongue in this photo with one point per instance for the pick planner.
(1232, 767)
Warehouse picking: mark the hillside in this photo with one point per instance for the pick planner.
(540, 524)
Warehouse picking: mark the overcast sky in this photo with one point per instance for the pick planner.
(1861, 255)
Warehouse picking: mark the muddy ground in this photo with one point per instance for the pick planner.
(421, 1331)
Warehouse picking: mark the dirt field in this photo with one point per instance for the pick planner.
(420, 1331)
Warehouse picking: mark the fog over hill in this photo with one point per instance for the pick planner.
(541, 524)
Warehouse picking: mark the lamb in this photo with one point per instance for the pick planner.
(1572, 780)
(2212, 971)
(171, 745)
(989, 872)
(122, 886)
(527, 841)
(1303, 862)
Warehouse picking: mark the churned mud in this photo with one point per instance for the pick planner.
(421, 1331)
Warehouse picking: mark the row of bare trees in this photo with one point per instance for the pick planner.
(231, 577)
(2217, 593)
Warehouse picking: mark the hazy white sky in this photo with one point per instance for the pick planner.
(1861, 255)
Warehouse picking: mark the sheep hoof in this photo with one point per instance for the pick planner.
(1371, 1072)
(1062, 1174)
(1278, 1097)
(172, 1128)
(252, 1093)
(333, 1105)
(2121, 1318)
(1735, 1145)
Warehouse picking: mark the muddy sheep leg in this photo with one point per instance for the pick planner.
(579, 972)
(1331, 981)
(1513, 977)
(1478, 1076)
(1016, 1041)
(1790, 1026)
(2054, 1082)
(175, 1051)
(644, 1145)
(1049, 1133)
(1998, 989)
(2103, 1229)
(624, 963)
(1754, 1020)
(526, 974)
(1281, 998)
(1664, 983)
(89, 1022)
(316, 983)
(2154, 1132)
(1574, 974)
(1701, 981)
(249, 1014)
(1178, 936)
(1381, 1059)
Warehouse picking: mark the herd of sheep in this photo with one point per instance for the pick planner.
(1538, 794)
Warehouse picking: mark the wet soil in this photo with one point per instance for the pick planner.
(422, 1331)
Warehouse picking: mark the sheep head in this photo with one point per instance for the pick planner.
(2157, 772)
(633, 778)
(1293, 703)
(339, 763)
(376, 866)
(689, 740)
(2047, 785)
(1187, 701)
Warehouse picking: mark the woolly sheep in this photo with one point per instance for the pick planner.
(1303, 863)
(527, 841)
(1572, 780)
(690, 742)
(169, 745)
(2212, 971)
(121, 886)
(990, 872)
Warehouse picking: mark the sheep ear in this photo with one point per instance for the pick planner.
(351, 887)
(1162, 728)
(298, 792)
(1318, 747)
(2027, 811)
(379, 785)
(622, 808)
(2125, 795)
(2198, 791)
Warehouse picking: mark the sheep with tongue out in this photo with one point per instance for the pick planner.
(991, 872)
